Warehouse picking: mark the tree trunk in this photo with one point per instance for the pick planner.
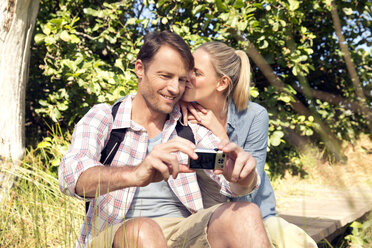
(17, 22)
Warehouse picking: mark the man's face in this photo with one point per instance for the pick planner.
(162, 82)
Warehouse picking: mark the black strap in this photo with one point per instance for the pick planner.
(112, 145)
(184, 131)
(117, 136)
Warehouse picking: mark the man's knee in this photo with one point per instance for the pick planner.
(237, 224)
(239, 211)
(139, 232)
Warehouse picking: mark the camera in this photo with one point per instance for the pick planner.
(208, 159)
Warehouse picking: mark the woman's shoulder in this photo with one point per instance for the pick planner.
(252, 114)
(251, 109)
(255, 107)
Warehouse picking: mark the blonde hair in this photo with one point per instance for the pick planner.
(235, 65)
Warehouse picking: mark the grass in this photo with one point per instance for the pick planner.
(37, 214)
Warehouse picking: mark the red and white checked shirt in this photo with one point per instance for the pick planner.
(88, 140)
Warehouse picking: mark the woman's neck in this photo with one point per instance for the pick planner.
(218, 105)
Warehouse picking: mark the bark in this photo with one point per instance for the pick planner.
(17, 22)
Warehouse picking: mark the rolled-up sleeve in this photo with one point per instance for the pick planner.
(88, 140)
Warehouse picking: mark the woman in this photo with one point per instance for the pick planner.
(220, 86)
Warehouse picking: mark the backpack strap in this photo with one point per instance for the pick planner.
(185, 131)
(112, 146)
(115, 139)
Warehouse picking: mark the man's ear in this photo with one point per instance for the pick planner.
(223, 83)
(140, 69)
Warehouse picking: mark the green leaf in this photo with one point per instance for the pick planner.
(239, 4)
(275, 138)
(224, 16)
(46, 29)
(43, 144)
(90, 11)
(221, 6)
(70, 64)
(65, 36)
(49, 40)
(264, 44)
(242, 25)
(119, 64)
(56, 162)
(254, 92)
(293, 5)
(197, 9)
(285, 99)
(131, 21)
(275, 27)
(309, 132)
(295, 70)
(39, 38)
(74, 39)
(62, 106)
(348, 11)
(164, 20)
(55, 114)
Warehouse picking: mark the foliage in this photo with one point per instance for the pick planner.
(361, 235)
(85, 56)
(84, 53)
(52, 148)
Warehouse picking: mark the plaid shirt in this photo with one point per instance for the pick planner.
(88, 140)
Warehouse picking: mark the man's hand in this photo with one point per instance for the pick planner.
(240, 168)
(162, 162)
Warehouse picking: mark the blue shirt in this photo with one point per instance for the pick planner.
(249, 129)
(156, 199)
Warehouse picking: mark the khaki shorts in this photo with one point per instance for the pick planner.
(179, 232)
(283, 234)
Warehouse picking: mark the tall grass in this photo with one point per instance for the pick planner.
(37, 214)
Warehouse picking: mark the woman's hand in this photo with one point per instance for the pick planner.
(193, 109)
(195, 113)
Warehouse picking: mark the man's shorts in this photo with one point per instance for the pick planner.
(179, 232)
(283, 234)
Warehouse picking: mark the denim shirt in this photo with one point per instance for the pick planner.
(249, 129)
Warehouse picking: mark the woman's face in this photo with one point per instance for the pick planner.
(204, 80)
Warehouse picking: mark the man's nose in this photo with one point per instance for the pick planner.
(174, 86)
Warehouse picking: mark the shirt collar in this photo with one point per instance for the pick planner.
(123, 116)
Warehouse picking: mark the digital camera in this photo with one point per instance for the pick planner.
(208, 159)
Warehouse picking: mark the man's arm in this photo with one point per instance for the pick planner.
(80, 172)
(100, 180)
(158, 165)
(84, 152)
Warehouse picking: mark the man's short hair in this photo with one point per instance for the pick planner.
(154, 40)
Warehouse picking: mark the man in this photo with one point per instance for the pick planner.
(148, 197)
